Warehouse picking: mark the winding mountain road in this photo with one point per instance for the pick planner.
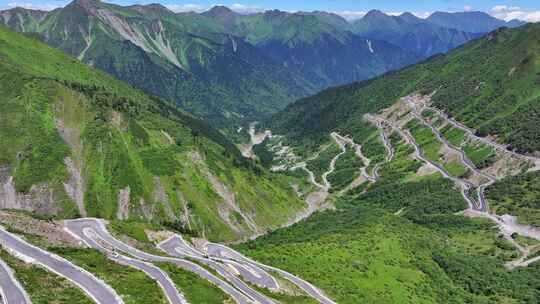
(100, 292)
(92, 240)
(481, 203)
(177, 246)
(10, 289)
(224, 252)
(332, 168)
(487, 141)
(358, 151)
(76, 227)
(507, 224)
(407, 136)
(463, 156)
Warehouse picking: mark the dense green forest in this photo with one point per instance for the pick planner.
(517, 195)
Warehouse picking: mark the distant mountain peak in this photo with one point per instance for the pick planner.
(88, 5)
(375, 14)
(472, 22)
(19, 9)
(275, 13)
(410, 18)
(220, 10)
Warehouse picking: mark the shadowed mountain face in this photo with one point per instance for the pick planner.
(230, 68)
(410, 33)
(313, 46)
(439, 33)
(472, 22)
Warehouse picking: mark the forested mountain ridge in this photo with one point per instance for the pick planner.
(231, 68)
(77, 142)
(317, 46)
(185, 60)
(489, 84)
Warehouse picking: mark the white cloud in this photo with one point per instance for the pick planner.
(508, 13)
(422, 15)
(35, 6)
(245, 9)
(354, 15)
(467, 8)
(190, 7)
(351, 15)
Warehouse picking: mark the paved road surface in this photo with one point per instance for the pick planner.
(90, 237)
(175, 246)
(223, 252)
(485, 140)
(10, 289)
(77, 226)
(95, 288)
(466, 186)
(464, 158)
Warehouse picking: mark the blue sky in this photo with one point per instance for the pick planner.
(525, 9)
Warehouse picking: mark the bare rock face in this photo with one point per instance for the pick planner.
(75, 186)
(160, 196)
(123, 203)
(40, 199)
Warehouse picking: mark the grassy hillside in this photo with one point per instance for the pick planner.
(400, 240)
(404, 238)
(79, 142)
(490, 84)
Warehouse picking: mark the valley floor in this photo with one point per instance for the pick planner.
(413, 226)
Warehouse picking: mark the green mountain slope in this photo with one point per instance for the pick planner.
(415, 227)
(182, 58)
(367, 252)
(490, 85)
(78, 142)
